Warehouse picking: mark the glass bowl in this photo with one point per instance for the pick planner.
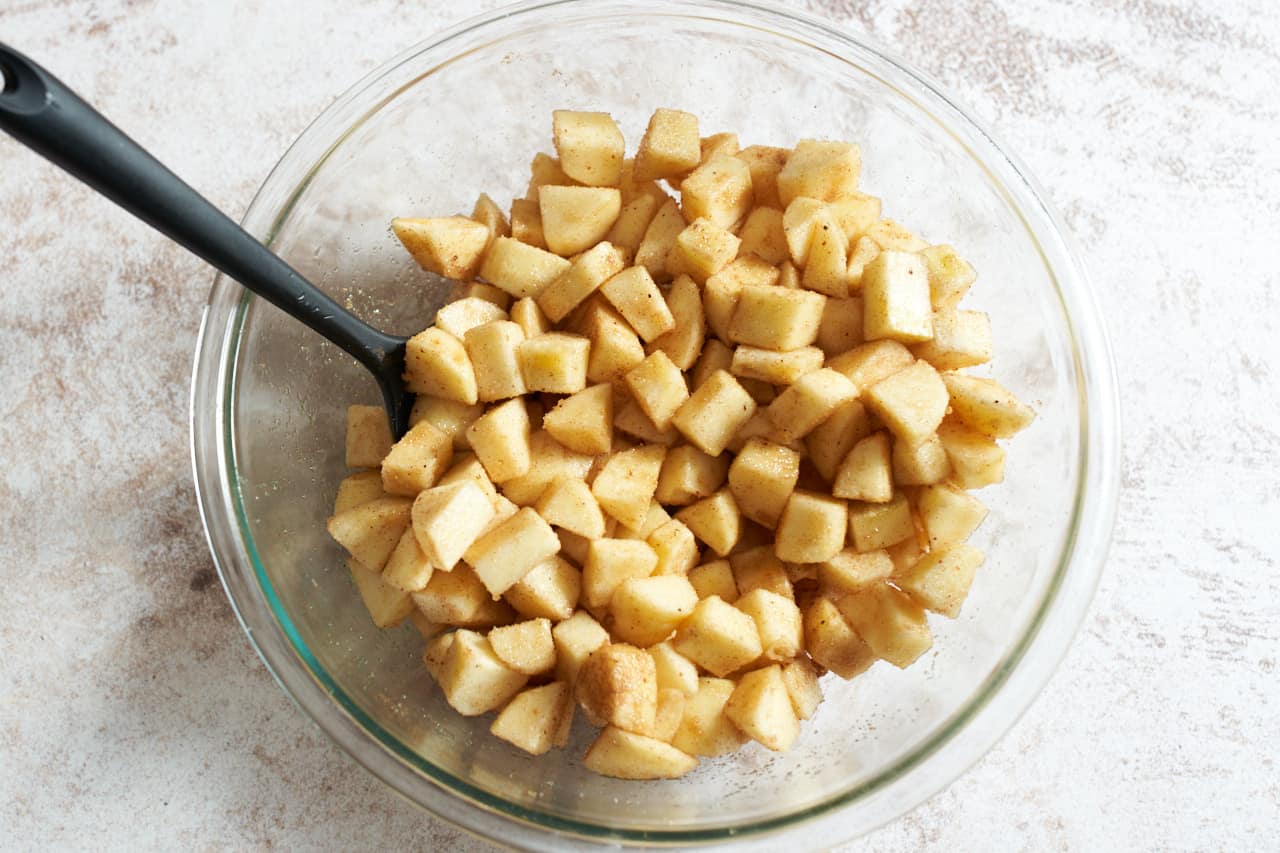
(462, 113)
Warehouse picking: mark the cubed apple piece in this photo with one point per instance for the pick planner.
(812, 528)
(702, 249)
(715, 520)
(718, 190)
(761, 707)
(583, 422)
(474, 679)
(554, 363)
(590, 147)
(670, 147)
(841, 327)
(827, 268)
(776, 318)
(545, 170)
(940, 580)
(721, 291)
(798, 221)
(368, 436)
(714, 412)
(718, 637)
(631, 421)
(493, 349)
(506, 553)
(436, 363)
(526, 224)
(987, 406)
(638, 299)
(776, 368)
(549, 590)
(950, 516)
(705, 730)
(576, 218)
(525, 646)
(531, 720)
(447, 520)
(716, 355)
(625, 485)
(417, 460)
(866, 474)
(911, 402)
(960, 339)
(877, 526)
(855, 213)
(359, 488)
(895, 237)
(889, 622)
(408, 566)
(449, 416)
(810, 401)
(830, 441)
(832, 643)
(719, 144)
(569, 504)
(820, 169)
(895, 298)
(950, 276)
(674, 670)
(617, 685)
(851, 571)
(759, 568)
(763, 236)
(609, 562)
(526, 314)
(633, 222)
(670, 712)
(462, 315)
(976, 460)
(576, 638)
(658, 386)
(872, 362)
(549, 461)
(920, 464)
(647, 610)
(436, 653)
(487, 292)
(626, 755)
(684, 342)
(659, 239)
(862, 251)
(764, 162)
(450, 246)
(778, 622)
(761, 478)
(801, 680)
(590, 270)
(387, 604)
(500, 439)
(453, 598)
(520, 269)
(688, 475)
(676, 547)
(487, 212)
(714, 578)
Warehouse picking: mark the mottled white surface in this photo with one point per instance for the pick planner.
(133, 712)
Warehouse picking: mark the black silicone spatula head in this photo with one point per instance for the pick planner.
(50, 119)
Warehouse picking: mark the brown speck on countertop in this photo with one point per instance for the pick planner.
(133, 711)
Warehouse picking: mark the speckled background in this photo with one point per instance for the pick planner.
(133, 712)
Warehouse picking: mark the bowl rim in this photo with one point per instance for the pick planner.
(1060, 612)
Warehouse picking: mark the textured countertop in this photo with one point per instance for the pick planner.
(133, 712)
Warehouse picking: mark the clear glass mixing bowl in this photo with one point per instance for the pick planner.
(461, 113)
